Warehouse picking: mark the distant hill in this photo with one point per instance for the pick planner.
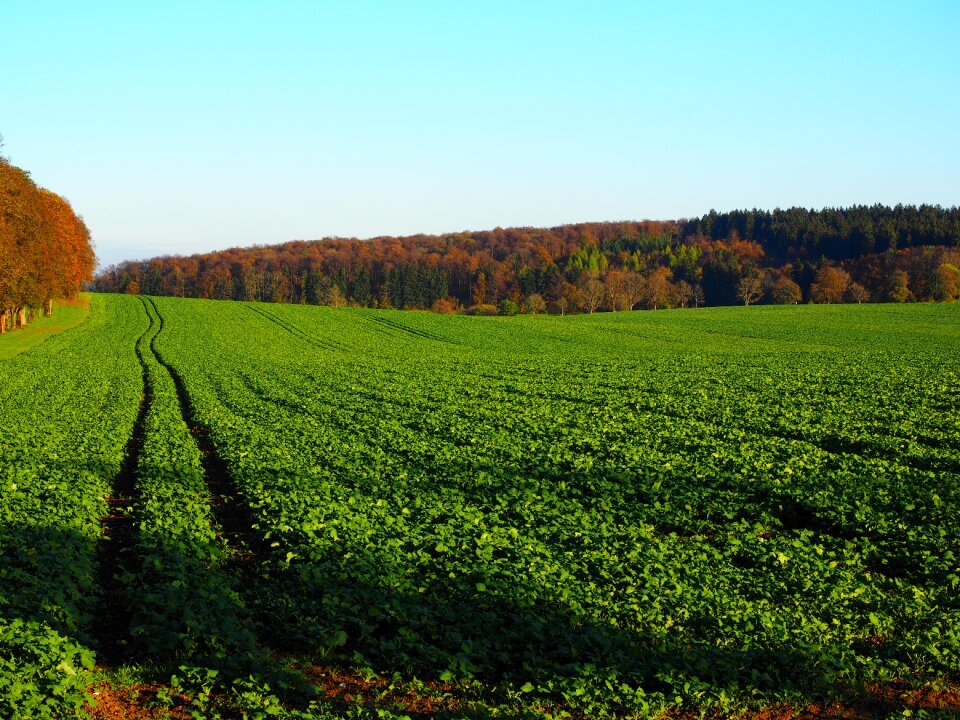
(855, 254)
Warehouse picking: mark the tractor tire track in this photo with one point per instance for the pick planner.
(115, 549)
(294, 330)
(231, 515)
(407, 329)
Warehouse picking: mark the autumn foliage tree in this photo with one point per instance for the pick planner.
(780, 289)
(750, 288)
(659, 292)
(68, 258)
(44, 245)
(590, 293)
(945, 282)
(830, 285)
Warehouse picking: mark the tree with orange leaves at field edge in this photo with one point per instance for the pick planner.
(45, 247)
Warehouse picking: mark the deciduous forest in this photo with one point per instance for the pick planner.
(856, 254)
(44, 245)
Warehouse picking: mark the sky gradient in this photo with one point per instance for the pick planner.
(184, 127)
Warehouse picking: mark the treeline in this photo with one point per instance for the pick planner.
(45, 250)
(856, 254)
(834, 233)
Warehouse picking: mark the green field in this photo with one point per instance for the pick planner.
(621, 514)
(66, 314)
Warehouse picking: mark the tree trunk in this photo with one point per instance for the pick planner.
(48, 307)
(3, 322)
(22, 317)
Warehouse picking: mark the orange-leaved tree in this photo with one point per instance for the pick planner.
(68, 257)
(21, 233)
(44, 245)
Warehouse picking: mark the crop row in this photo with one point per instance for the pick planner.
(590, 509)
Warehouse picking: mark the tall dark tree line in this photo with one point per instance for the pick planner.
(834, 233)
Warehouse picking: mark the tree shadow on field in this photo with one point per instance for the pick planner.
(49, 569)
(45, 606)
(352, 613)
(57, 619)
(45, 574)
(148, 597)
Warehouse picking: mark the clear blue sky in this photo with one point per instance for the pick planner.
(181, 127)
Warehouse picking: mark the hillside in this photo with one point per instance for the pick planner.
(857, 254)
